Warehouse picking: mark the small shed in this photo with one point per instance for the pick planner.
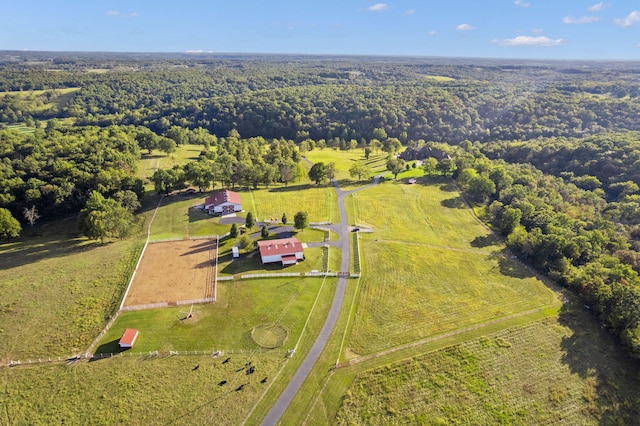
(128, 338)
(236, 252)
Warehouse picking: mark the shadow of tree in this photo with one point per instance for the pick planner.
(453, 203)
(485, 241)
(611, 376)
(512, 268)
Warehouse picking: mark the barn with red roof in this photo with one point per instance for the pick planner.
(288, 251)
(223, 202)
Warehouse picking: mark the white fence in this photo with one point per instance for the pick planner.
(319, 223)
(282, 274)
(147, 306)
(196, 301)
(231, 278)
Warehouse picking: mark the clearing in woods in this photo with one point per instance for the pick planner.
(173, 271)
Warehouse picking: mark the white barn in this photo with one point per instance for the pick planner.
(288, 251)
(223, 202)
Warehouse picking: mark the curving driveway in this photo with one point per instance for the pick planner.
(342, 229)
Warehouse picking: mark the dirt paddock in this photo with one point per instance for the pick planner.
(174, 271)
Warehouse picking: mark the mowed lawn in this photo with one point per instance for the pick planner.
(177, 217)
(343, 160)
(562, 370)
(430, 212)
(58, 290)
(225, 324)
(318, 201)
(431, 268)
(137, 390)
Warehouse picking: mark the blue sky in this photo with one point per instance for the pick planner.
(556, 29)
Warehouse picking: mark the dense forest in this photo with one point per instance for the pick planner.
(549, 152)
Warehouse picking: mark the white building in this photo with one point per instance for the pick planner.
(285, 250)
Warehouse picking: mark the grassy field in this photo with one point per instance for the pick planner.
(431, 268)
(136, 390)
(35, 101)
(410, 292)
(159, 160)
(557, 371)
(225, 324)
(58, 289)
(318, 201)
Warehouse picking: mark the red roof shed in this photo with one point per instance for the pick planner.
(128, 338)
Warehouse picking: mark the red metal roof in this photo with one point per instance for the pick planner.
(283, 246)
(222, 197)
(128, 337)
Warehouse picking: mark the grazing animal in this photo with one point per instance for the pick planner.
(222, 383)
(196, 367)
(239, 388)
(264, 380)
(226, 360)
(251, 370)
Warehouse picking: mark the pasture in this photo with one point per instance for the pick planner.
(225, 324)
(430, 267)
(183, 154)
(58, 290)
(410, 292)
(138, 390)
(556, 371)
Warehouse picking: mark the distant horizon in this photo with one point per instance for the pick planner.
(514, 29)
(212, 55)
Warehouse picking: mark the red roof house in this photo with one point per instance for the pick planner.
(223, 202)
(285, 250)
(128, 338)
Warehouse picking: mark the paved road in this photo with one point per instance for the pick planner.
(313, 355)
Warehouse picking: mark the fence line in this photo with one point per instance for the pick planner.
(215, 353)
(147, 306)
(196, 301)
(319, 223)
(282, 274)
(230, 278)
(200, 237)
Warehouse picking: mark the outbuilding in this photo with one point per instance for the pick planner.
(128, 338)
(288, 251)
(223, 202)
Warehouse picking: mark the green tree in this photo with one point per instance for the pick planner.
(395, 166)
(446, 166)
(233, 232)
(250, 221)
(245, 243)
(318, 173)
(375, 145)
(166, 145)
(199, 173)
(264, 233)
(284, 218)
(367, 152)
(9, 225)
(430, 166)
(300, 220)
(359, 170)
(104, 218)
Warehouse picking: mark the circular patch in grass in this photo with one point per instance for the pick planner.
(269, 336)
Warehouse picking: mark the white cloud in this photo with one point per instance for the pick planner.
(378, 7)
(465, 27)
(432, 33)
(599, 6)
(632, 18)
(199, 51)
(521, 3)
(410, 12)
(528, 41)
(580, 20)
(118, 14)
